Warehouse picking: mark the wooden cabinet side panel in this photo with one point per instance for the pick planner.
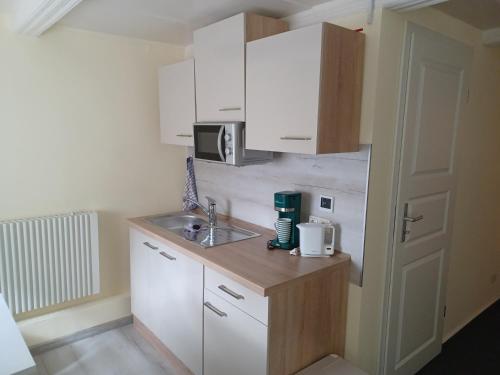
(257, 26)
(308, 322)
(341, 89)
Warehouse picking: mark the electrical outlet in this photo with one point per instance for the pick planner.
(326, 203)
(318, 220)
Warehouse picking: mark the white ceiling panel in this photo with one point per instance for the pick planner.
(483, 14)
(170, 21)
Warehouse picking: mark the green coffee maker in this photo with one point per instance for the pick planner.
(287, 203)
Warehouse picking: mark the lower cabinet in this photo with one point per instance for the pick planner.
(217, 326)
(234, 342)
(167, 297)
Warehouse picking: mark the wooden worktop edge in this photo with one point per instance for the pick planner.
(168, 238)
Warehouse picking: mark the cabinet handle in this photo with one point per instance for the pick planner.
(169, 257)
(184, 135)
(150, 246)
(229, 109)
(295, 138)
(221, 313)
(230, 292)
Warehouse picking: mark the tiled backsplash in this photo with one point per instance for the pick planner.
(247, 192)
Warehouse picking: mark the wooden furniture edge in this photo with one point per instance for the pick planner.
(339, 110)
(258, 26)
(344, 262)
(308, 322)
(178, 366)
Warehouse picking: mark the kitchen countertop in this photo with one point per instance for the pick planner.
(249, 261)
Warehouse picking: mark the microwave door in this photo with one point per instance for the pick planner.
(209, 142)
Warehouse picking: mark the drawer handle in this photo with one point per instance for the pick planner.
(150, 246)
(295, 138)
(229, 109)
(230, 292)
(221, 313)
(184, 135)
(169, 257)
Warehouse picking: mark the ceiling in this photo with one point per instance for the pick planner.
(170, 21)
(173, 21)
(482, 14)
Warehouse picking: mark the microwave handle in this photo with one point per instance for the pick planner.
(219, 144)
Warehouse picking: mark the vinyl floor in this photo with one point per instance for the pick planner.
(475, 350)
(120, 351)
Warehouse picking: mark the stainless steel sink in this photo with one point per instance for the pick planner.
(196, 229)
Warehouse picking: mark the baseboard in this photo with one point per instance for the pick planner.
(457, 329)
(40, 348)
(60, 325)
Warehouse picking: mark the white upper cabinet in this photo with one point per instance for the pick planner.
(177, 103)
(304, 90)
(219, 52)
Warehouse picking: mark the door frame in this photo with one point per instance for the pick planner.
(397, 155)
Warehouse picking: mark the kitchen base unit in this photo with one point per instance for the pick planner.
(305, 322)
(236, 308)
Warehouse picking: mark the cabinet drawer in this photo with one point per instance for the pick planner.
(238, 295)
(235, 343)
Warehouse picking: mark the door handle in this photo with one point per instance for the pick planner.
(230, 292)
(221, 313)
(150, 246)
(295, 138)
(169, 257)
(413, 219)
(408, 219)
(225, 109)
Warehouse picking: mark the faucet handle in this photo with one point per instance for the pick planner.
(210, 200)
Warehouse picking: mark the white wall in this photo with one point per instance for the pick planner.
(79, 130)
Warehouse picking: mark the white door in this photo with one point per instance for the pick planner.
(177, 103)
(234, 342)
(219, 52)
(434, 94)
(178, 306)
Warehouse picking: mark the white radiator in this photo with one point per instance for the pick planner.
(48, 260)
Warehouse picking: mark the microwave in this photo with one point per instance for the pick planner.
(224, 142)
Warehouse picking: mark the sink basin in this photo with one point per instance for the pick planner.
(197, 230)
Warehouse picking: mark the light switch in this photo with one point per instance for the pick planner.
(326, 203)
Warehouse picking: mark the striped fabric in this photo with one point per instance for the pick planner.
(190, 187)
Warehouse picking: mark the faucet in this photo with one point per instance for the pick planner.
(210, 211)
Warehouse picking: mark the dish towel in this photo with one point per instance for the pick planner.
(190, 190)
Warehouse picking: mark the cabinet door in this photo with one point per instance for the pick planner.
(234, 342)
(219, 51)
(178, 306)
(142, 255)
(283, 87)
(177, 103)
